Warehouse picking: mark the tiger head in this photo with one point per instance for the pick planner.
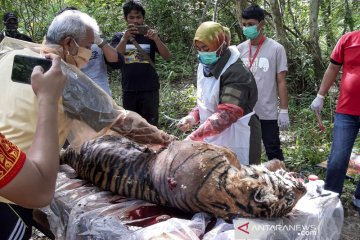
(261, 193)
(216, 183)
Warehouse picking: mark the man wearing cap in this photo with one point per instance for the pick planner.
(11, 21)
(267, 61)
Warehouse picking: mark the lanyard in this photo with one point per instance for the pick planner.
(251, 61)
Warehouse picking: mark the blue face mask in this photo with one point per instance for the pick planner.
(251, 32)
(209, 58)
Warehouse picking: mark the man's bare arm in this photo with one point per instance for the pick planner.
(282, 89)
(110, 53)
(329, 78)
(34, 185)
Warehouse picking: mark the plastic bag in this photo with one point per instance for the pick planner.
(221, 231)
(176, 229)
(313, 218)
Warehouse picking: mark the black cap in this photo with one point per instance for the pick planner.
(9, 15)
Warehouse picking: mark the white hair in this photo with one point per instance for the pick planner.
(71, 23)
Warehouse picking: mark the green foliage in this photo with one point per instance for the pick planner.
(175, 20)
(348, 190)
(308, 145)
(32, 21)
(115, 85)
(108, 13)
(301, 75)
(181, 66)
(175, 104)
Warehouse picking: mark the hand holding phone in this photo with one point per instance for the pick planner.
(48, 86)
(23, 67)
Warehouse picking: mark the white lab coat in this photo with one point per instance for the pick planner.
(237, 136)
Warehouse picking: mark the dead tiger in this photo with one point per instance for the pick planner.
(191, 176)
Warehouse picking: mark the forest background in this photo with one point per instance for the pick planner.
(308, 29)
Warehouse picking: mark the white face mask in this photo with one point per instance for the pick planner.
(81, 58)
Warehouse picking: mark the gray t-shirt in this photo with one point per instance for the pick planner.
(96, 69)
(270, 60)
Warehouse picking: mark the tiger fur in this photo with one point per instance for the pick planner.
(191, 176)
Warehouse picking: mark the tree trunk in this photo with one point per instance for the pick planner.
(278, 22)
(348, 21)
(330, 39)
(205, 11)
(215, 11)
(314, 39)
(240, 6)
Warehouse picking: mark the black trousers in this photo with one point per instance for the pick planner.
(145, 103)
(15, 222)
(271, 140)
(255, 140)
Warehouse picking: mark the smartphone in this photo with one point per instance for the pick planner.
(24, 65)
(142, 29)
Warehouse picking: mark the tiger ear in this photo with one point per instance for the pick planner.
(274, 165)
(261, 196)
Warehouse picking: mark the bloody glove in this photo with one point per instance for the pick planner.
(225, 115)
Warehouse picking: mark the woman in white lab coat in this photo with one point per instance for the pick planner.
(226, 96)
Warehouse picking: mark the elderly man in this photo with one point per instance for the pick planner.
(70, 36)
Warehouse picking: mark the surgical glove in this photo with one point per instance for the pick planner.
(186, 123)
(317, 104)
(283, 120)
(225, 115)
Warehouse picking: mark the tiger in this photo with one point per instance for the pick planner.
(187, 175)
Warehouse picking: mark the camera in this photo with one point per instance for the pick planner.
(142, 29)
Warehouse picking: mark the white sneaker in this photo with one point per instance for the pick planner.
(356, 203)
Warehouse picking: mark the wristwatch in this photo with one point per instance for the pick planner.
(103, 42)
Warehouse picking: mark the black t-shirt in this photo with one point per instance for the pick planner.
(17, 35)
(138, 74)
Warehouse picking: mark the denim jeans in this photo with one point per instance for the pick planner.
(270, 136)
(346, 128)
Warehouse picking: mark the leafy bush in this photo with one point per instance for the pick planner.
(175, 104)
